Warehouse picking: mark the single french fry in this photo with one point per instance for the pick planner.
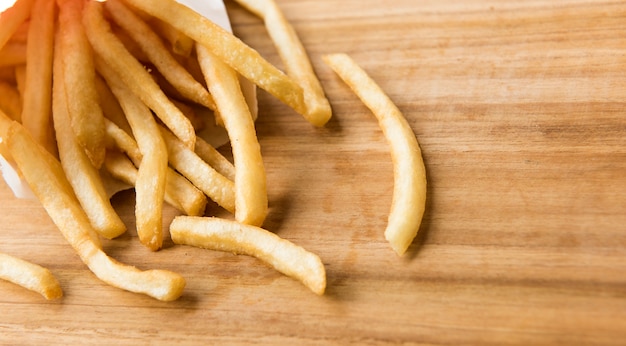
(44, 174)
(153, 47)
(251, 203)
(110, 106)
(215, 159)
(231, 236)
(123, 141)
(12, 18)
(47, 180)
(79, 74)
(10, 101)
(227, 48)
(181, 44)
(79, 171)
(409, 194)
(30, 276)
(37, 99)
(204, 177)
(294, 56)
(152, 173)
(113, 53)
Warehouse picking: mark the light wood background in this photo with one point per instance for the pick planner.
(520, 109)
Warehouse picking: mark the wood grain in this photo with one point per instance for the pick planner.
(519, 107)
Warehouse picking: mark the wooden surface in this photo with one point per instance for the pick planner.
(520, 109)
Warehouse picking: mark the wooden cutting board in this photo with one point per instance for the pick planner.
(520, 109)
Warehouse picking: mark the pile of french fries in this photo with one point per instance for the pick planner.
(92, 91)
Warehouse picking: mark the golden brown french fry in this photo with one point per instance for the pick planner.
(179, 192)
(250, 182)
(227, 48)
(30, 276)
(47, 180)
(215, 159)
(181, 44)
(153, 47)
(43, 170)
(37, 98)
(152, 173)
(204, 177)
(231, 236)
(409, 195)
(12, 18)
(10, 101)
(113, 53)
(110, 106)
(13, 54)
(123, 141)
(79, 75)
(294, 56)
(79, 171)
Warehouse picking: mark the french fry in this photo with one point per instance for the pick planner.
(37, 98)
(10, 101)
(179, 192)
(47, 180)
(12, 18)
(30, 276)
(204, 177)
(110, 106)
(79, 74)
(152, 173)
(250, 182)
(409, 195)
(231, 236)
(227, 48)
(215, 159)
(153, 47)
(79, 171)
(113, 53)
(294, 56)
(41, 169)
(180, 43)
(122, 141)
(13, 54)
